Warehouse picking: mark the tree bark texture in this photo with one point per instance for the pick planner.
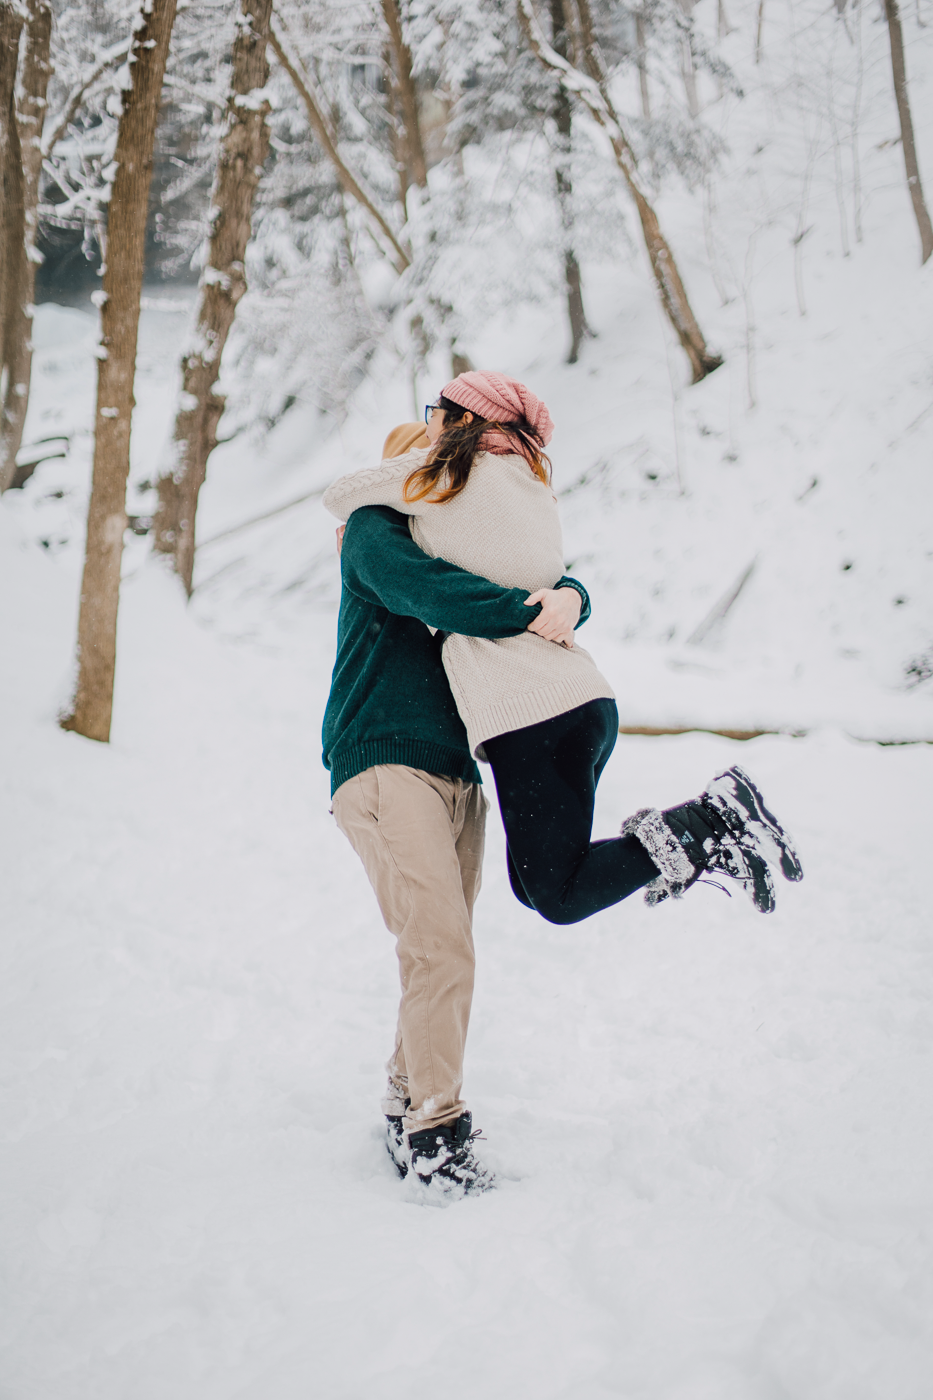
(122, 284)
(407, 96)
(592, 89)
(687, 69)
(36, 70)
(562, 115)
(243, 150)
(907, 128)
(12, 218)
(642, 61)
(758, 30)
(397, 131)
(322, 129)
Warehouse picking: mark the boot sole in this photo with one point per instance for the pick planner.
(762, 823)
(755, 877)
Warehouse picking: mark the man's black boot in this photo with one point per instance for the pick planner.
(396, 1146)
(446, 1155)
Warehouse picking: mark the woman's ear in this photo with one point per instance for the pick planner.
(468, 417)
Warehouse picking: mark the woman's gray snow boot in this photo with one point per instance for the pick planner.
(727, 829)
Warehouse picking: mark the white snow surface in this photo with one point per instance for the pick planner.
(711, 1129)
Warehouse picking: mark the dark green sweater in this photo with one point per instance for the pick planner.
(389, 698)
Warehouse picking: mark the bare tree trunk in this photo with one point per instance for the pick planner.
(459, 363)
(856, 110)
(758, 30)
(687, 69)
(90, 713)
(907, 128)
(404, 93)
(243, 151)
(36, 70)
(415, 162)
(321, 126)
(642, 64)
(562, 115)
(592, 90)
(12, 217)
(397, 132)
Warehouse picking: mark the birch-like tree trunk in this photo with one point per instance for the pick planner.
(687, 69)
(592, 89)
(36, 70)
(563, 120)
(416, 165)
(899, 67)
(12, 210)
(91, 710)
(243, 150)
(641, 58)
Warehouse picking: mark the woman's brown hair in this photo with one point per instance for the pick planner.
(451, 459)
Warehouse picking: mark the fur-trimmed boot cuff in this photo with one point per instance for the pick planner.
(665, 850)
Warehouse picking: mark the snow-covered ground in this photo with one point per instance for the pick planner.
(711, 1129)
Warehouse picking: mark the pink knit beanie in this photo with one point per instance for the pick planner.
(503, 400)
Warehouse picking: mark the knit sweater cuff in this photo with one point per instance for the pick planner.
(585, 610)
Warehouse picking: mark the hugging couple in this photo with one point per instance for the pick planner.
(455, 643)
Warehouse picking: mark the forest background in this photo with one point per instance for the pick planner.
(238, 243)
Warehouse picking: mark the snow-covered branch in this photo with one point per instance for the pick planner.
(325, 134)
(72, 106)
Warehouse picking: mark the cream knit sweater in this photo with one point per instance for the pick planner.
(503, 525)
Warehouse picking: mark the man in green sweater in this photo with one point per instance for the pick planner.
(407, 795)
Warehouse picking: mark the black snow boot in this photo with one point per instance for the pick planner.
(396, 1145)
(727, 829)
(445, 1155)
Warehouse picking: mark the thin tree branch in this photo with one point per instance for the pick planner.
(322, 129)
(258, 519)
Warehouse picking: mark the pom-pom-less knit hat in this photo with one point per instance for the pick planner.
(502, 400)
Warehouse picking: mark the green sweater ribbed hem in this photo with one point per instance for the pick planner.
(413, 753)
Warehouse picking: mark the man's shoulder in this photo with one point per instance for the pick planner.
(376, 538)
(376, 520)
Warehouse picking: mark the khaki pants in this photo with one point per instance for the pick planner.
(420, 837)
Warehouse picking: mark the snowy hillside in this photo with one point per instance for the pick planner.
(711, 1129)
(807, 455)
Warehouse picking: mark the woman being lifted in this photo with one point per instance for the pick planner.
(541, 714)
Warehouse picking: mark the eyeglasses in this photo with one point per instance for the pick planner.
(430, 408)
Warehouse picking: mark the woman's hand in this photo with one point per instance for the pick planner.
(560, 613)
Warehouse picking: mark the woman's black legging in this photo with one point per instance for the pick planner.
(546, 776)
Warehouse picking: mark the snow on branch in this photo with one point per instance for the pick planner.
(583, 87)
(321, 127)
(70, 110)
